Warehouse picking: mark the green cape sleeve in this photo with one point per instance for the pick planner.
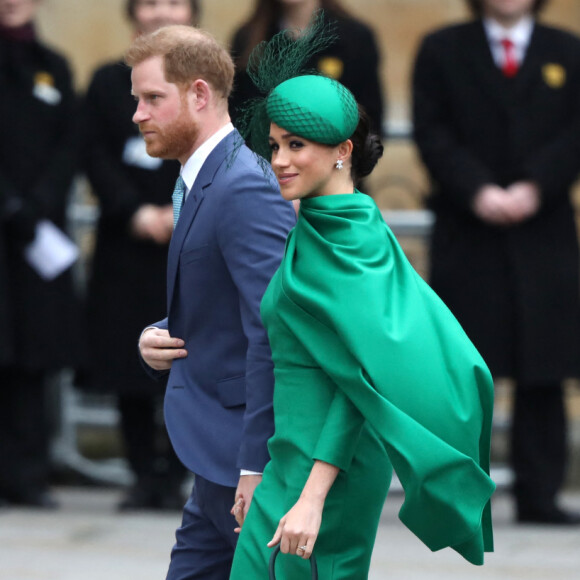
(377, 329)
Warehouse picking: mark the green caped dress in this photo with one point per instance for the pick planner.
(372, 372)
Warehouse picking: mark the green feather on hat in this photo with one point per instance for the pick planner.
(296, 98)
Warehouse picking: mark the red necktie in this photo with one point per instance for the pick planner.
(510, 64)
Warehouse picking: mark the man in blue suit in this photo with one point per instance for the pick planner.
(231, 225)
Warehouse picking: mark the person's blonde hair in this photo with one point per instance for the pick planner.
(188, 54)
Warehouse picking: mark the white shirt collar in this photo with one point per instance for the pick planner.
(193, 165)
(520, 34)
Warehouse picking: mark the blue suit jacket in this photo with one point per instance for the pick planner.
(228, 243)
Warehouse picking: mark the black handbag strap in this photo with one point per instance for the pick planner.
(272, 567)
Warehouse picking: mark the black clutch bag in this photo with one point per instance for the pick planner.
(272, 567)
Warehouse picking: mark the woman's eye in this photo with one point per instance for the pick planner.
(273, 146)
(296, 144)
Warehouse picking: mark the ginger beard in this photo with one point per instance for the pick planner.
(175, 139)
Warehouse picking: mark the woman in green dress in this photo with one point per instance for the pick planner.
(372, 370)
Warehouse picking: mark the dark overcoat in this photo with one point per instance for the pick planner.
(37, 164)
(5, 335)
(127, 282)
(353, 59)
(514, 289)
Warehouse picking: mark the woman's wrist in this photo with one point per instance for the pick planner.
(313, 496)
(319, 482)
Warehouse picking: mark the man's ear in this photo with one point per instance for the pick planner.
(200, 93)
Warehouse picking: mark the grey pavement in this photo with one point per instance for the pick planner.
(87, 540)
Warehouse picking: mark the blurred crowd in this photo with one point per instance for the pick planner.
(496, 116)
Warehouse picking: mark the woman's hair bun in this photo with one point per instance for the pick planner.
(367, 147)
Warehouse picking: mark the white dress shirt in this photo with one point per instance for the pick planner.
(520, 35)
(193, 165)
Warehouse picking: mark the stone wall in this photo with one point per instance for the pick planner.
(90, 32)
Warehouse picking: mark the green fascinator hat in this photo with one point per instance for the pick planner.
(314, 107)
(292, 95)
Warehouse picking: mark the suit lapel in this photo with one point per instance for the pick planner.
(528, 73)
(479, 59)
(190, 208)
(505, 92)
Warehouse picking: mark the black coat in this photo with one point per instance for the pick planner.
(6, 353)
(353, 60)
(515, 289)
(127, 283)
(37, 164)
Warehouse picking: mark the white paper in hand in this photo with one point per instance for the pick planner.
(51, 252)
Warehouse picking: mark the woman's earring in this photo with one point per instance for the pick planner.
(339, 164)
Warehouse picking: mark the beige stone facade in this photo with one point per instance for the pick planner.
(90, 32)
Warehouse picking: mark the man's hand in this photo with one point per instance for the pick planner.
(152, 222)
(244, 494)
(158, 349)
(519, 202)
(524, 200)
(490, 205)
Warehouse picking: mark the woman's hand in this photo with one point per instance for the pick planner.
(298, 529)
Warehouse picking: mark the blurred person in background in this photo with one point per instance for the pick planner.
(353, 58)
(6, 337)
(127, 279)
(497, 122)
(37, 165)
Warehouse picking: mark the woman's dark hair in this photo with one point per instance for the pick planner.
(131, 5)
(265, 18)
(476, 6)
(367, 148)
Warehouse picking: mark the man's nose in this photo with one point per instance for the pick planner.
(140, 114)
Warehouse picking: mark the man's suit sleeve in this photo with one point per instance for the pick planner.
(459, 173)
(251, 232)
(555, 166)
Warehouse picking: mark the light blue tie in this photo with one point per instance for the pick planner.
(177, 198)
